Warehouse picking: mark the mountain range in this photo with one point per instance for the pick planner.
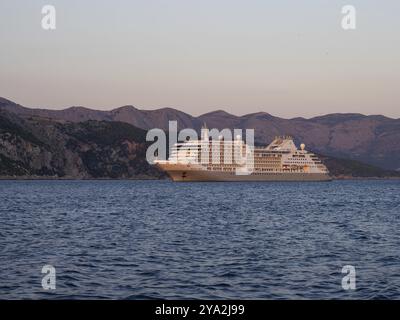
(374, 139)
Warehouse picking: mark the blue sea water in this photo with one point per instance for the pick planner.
(159, 239)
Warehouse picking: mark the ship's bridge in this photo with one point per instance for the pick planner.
(283, 143)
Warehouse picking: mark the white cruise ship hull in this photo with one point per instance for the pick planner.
(184, 173)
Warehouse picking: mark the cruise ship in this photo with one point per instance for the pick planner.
(234, 160)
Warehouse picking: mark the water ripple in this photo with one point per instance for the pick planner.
(164, 240)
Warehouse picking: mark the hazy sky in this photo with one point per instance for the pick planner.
(288, 58)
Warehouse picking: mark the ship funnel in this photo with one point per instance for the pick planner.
(204, 133)
(302, 146)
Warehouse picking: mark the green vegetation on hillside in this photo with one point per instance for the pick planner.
(352, 168)
(11, 127)
(105, 132)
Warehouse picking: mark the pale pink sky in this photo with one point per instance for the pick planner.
(288, 58)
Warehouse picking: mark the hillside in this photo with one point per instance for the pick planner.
(347, 169)
(34, 147)
(371, 139)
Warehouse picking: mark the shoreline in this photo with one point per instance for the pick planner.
(148, 178)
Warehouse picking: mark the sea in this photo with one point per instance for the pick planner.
(127, 239)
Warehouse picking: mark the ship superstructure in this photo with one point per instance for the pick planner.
(234, 160)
